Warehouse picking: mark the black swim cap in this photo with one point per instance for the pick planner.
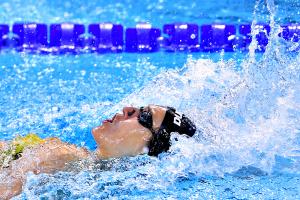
(173, 122)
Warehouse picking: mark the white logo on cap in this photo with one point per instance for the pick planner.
(177, 119)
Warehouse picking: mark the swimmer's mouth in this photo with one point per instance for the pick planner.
(109, 120)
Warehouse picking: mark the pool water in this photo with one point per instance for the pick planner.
(245, 104)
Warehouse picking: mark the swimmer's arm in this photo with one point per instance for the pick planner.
(10, 185)
(57, 154)
(49, 157)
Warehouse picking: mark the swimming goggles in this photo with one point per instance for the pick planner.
(170, 123)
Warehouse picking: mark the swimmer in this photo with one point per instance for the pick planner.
(135, 131)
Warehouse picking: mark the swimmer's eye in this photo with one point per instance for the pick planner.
(145, 118)
(131, 113)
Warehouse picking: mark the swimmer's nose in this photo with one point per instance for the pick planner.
(94, 130)
(130, 112)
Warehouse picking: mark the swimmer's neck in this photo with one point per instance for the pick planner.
(100, 154)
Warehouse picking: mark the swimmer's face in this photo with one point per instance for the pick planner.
(123, 135)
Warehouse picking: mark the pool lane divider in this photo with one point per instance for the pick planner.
(109, 37)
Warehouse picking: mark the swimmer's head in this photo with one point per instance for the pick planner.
(172, 122)
(140, 130)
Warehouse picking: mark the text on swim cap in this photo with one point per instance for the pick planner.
(177, 119)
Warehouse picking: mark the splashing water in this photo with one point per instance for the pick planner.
(244, 118)
(248, 122)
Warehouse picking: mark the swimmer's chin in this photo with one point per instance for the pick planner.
(96, 130)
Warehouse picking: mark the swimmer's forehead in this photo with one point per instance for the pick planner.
(158, 113)
(154, 108)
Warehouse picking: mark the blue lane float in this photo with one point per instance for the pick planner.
(105, 37)
(261, 38)
(31, 37)
(182, 37)
(4, 30)
(217, 37)
(143, 38)
(290, 32)
(65, 38)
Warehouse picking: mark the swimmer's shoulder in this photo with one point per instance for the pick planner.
(2, 145)
(56, 142)
(50, 156)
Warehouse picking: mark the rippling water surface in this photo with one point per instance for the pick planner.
(246, 105)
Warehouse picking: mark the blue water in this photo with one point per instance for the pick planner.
(245, 105)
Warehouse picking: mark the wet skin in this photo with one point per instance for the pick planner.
(123, 135)
(120, 136)
(48, 157)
